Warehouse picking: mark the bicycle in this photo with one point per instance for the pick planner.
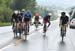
(14, 30)
(45, 29)
(26, 30)
(36, 24)
(17, 30)
(63, 31)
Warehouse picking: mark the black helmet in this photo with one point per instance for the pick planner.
(63, 13)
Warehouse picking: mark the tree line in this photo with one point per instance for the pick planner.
(8, 6)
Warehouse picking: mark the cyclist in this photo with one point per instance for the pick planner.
(46, 20)
(64, 20)
(13, 19)
(27, 18)
(22, 15)
(36, 18)
(17, 19)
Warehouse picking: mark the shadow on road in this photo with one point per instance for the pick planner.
(45, 43)
(62, 46)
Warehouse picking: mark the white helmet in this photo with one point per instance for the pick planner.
(23, 10)
(49, 13)
(16, 11)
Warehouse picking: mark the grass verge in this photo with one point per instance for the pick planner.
(4, 24)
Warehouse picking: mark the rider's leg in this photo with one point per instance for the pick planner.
(61, 30)
(65, 30)
(36, 23)
(20, 29)
(16, 29)
(28, 27)
(25, 30)
(44, 27)
(49, 23)
(12, 25)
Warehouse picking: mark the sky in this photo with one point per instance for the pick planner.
(59, 3)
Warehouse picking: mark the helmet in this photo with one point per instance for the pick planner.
(23, 10)
(63, 13)
(36, 14)
(16, 11)
(49, 14)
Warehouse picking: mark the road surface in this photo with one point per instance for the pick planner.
(37, 42)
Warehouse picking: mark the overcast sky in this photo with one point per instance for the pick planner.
(60, 3)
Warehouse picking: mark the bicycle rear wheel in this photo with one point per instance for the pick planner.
(63, 32)
(45, 29)
(26, 31)
(62, 37)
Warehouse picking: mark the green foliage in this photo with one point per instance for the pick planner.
(5, 24)
(5, 14)
(7, 7)
(5, 11)
(22, 4)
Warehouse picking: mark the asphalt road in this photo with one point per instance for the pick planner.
(37, 42)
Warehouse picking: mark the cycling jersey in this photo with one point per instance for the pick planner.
(19, 18)
(27, 15)
(36, 18)
(64, 20)
(13, 17)
(16, 17)
(47, 18)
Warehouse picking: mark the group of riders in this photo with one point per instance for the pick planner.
(21, 21)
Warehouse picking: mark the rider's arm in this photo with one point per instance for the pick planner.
(68, 21)
(60, 22)
(12, 19)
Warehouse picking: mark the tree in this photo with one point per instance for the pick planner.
(23, 4)
(5, 14)
(7, 7)
(5, 11)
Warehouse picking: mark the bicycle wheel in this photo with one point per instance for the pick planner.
(26, 31)
(62, 32)
(36, 25)
(15, 31)
(20, 32)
